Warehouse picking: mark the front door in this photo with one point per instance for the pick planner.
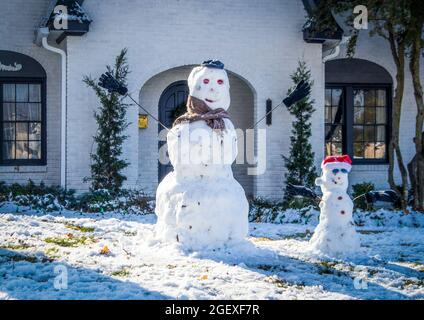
(171, 105)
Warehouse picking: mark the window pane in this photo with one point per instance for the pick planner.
(328, 118)
(358, 133)
(8, 150)
(21, 131)
(328, 97)
(381, 133)
(369, 98)
(328, 132)
(381, 98)
(358, 150)
(358, 98)
(22, 92)
(333, 148)
(22, 112)
(369, 151)
(337, 114)
(333, 133)
(358, 117)
(8, 131)
(369, 133)
(8, 92)
(381, 115)
(369, 115)
(8, 111)
(35, 131)
(380, 150)
(28, 111)
(34, 111)
(336, 95)
(35, 150)
(21, 150)
(338, 136)
(34, 93)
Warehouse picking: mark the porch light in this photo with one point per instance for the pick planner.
(143, 121)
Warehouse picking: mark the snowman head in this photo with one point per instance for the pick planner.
(209, 82)
(335, 170)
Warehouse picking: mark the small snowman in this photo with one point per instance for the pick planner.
(335, 233)
(200, 204)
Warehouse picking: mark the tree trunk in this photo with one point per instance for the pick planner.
(418, 173)
(398, 52)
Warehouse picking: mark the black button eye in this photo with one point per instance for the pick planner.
(336, 171)
(344, 171)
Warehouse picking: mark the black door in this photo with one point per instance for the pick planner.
(171, 105)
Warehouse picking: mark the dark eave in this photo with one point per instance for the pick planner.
(310, 33)
(77, 18)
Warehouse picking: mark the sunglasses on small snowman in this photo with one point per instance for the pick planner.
(336, 171)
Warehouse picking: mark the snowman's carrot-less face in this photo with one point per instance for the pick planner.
(334, 177)
(210, 85)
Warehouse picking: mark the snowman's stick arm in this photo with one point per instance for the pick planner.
(302, 191)
(266, 114)
(154, 118)
(111, 84)
(301, 91)
(379, 195)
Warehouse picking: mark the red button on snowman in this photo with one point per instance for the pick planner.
(335, 233)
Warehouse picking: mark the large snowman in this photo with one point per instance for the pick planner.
(335, 233)
(200, 204)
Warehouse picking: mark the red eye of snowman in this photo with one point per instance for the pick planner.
(220, 81)
(205, 81)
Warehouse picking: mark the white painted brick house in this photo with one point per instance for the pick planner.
(260, 43)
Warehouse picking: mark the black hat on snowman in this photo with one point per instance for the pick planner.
(212, 64)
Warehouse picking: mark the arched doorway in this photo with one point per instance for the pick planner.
(172, 104)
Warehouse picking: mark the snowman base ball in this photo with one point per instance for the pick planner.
(335, 233)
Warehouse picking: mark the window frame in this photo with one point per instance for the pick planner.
(26, 162)
(348, 118)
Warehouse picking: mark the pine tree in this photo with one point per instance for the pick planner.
(300, 163)
(107, 164)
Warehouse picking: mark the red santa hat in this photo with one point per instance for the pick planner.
(331, 162)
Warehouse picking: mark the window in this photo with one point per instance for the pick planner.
(356, 121)
(22, 122)
(334, 109)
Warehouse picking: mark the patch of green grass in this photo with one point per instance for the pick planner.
(280, 283)
(328, 267)
(412, 282)
(299, 235)
(78, 227)
(52, 253)
(11, 246)
(370, 231)
(20, 257)
(67, 241)
(267, 267)
(121, 273)
(418, 266)
(130, 233)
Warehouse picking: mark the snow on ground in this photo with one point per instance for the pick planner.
(114, 256)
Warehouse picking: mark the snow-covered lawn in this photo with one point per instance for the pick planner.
(115, 257)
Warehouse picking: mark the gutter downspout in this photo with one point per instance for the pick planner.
(43, 34)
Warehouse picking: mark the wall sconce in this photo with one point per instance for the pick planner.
(268, 112)
(143, 121)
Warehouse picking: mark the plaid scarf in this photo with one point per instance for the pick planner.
(198, 110)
